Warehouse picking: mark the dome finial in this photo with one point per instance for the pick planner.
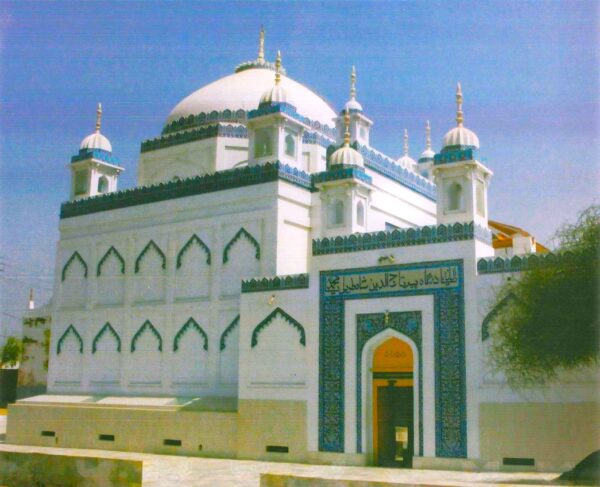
(353, 84)
(427, 136)
(405, 142)
(261, 45)
(459, 102)
(278, 68)
(347, 127)
(98, 117)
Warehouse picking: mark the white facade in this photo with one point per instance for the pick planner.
(148, 294)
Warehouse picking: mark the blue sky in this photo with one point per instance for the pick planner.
(529, 72)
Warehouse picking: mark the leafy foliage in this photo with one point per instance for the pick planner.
(11, 352)
(552, 324)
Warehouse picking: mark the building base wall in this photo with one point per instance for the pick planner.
(264, 424)
(556, 436)
(211, 434)
(548, 436)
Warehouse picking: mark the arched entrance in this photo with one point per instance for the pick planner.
(393, 400)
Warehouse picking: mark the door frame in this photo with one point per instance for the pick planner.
(366, 392)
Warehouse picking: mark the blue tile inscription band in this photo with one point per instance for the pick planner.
(444, 281)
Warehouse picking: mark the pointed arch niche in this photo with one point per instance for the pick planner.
(150, 274)
(106, 358)
(278, 348)
(379, 335)
(110, 275)
(69, 358)
(229, 346)
(190, 355)
(192, 274)
(241, 259)
(73, 290)
(146, 356)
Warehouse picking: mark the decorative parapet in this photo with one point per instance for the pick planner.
(260, 64)
(456, 155)
(99, 154)
(270, 108)
(230, 116)
(518, 264)
(278, 283)
(342, 172)
(233, 178)
(401, 238)
(208, 132)
(203, 118)
(387, 167)
(317, 139)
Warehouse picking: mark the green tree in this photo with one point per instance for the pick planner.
(551, 320)
(11, 352)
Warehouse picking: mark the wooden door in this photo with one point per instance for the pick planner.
(394, 426)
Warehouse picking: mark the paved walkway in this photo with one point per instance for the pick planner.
(175, 471)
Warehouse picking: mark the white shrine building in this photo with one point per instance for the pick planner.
(276, 288)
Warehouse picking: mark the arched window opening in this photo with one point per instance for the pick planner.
(455, 196)
(81, 179)
(480, 195)
(102, 184)
(336, 212)
(290, 145)
(263, 145)
(360, 214)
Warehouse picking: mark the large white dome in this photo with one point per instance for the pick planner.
(243, 90)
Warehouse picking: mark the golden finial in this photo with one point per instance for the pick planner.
(98, 117)
(353, 84)
(347, 126)
(261, 45)
(459, 101)
(278, 68)
(405, 142)
(427, 136)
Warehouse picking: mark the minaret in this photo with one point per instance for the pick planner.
(94, 169)
(426, 158)
(462, 180)
(30, 303)
(406, 161)
(274, 133)
(261, 46)
(359, 124)
(345, 192)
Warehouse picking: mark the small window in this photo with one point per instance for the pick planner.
(277, 449)
(263, 143)
(48, 433)
(454, 197)
(518, 461)
(336, 212)
(102, 184)
(169, 442)
(106, 437)
(290, 145)
(360, 214)
(480, 197)
(81, 178)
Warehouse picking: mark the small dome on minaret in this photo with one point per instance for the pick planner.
(352, 104)
(428, 154)
(460, 137)
(275, 94)
(346, 155)
(406, 161)
(96, 140)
